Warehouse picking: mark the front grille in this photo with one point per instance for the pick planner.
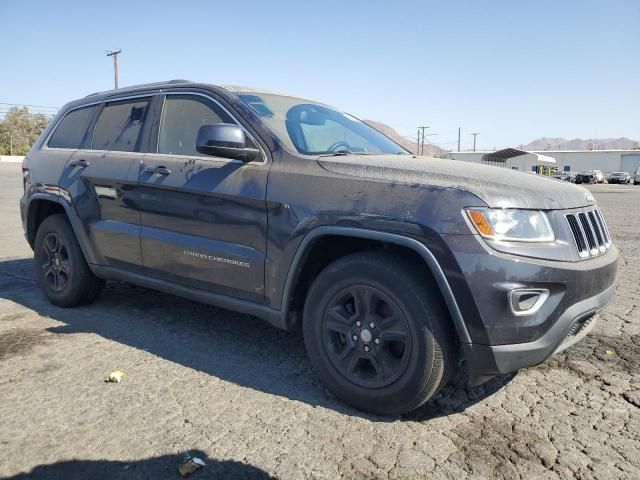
(589, 232)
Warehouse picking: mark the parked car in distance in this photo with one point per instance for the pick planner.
(636, 177)
(599, 176)
(564, 176)
(619, 177)
(395, 267)
(590, 176)
(585, 177)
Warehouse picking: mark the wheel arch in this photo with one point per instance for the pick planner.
(365, 237)
(41, 205)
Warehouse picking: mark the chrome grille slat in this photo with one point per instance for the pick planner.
(590, 232)
(596, 230)
(577, 234)
(591, 238)
(605, 229)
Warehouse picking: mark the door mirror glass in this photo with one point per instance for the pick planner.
(225, 140)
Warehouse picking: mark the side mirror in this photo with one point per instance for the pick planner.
(224, 140)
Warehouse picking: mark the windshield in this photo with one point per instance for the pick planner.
(315, 129)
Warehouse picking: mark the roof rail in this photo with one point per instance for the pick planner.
(143, 85)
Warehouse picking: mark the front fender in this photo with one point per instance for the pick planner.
(421, 249)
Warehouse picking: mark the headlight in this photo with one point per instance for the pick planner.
(512, 225)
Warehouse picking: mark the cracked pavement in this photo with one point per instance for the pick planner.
(243, 396)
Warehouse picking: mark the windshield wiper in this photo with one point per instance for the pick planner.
(337, 153)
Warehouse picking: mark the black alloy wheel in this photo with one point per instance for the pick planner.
(377, 332)
(63, 272)
(55, 262)
(366, 336)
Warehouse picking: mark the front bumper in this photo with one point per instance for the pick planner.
(502, 341)
(487, 361)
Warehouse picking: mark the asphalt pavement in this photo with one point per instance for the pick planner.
(241, 394)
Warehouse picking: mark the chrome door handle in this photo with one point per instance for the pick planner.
(161, 170)
(80, 163)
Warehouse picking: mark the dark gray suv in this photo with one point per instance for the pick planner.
(395, 266)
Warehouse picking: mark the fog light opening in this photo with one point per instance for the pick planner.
(527, 301)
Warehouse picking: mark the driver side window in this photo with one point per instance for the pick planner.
(182, 117)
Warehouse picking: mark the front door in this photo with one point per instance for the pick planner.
(204, 219)
(103, 178)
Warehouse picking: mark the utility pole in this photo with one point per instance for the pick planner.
(114, 54)
(458, 139)
(418, 143)
(422, 143)
(475, 134)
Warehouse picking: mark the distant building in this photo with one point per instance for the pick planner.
(565, 160)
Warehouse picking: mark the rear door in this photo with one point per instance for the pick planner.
(204, 219)
(104, 178)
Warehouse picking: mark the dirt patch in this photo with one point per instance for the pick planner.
(20, 340)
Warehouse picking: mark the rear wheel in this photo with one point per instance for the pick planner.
(62, 270)
(377, 333)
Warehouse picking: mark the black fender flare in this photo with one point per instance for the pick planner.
(415, 245)
(61, 196)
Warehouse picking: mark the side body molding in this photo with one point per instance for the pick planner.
(416, 246)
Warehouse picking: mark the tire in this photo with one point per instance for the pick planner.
(63, 273)
(412, 350)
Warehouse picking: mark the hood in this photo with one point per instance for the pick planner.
(497, 187)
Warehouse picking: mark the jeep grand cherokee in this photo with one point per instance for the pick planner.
(395, 266)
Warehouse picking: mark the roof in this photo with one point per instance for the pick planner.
(173, 83)
(507, 153)
(142, 86)
(258, 91)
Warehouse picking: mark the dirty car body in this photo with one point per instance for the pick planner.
(252, 235)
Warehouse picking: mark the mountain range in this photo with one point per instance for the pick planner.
(542, 143)
(546, 143)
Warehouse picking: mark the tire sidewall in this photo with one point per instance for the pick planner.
(420, 367)
(69, 295)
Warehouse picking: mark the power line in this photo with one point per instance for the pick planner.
(31, 110)
(27, 105)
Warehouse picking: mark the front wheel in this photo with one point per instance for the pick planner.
(377, 332)
(63, 273)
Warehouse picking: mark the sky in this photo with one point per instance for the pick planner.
(511, 70)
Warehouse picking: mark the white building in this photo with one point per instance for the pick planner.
(566, 160)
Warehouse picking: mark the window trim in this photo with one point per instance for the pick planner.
(45, 144)
(265, 157)
(204, 157)
(143, 127)
(90, 125)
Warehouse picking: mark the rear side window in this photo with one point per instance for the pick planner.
(119, 126)
(73, 128)
(182, 117)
